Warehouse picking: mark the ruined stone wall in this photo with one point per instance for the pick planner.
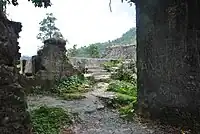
(49, 65)
(121, 51)
(22, 66)
(87, 62)
(168, 58)
(14, 118)
(90, 62)
(53, 60)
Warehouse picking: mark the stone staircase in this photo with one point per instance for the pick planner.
(101, 78)
(98, 74)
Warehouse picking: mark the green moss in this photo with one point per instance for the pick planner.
(49, 120)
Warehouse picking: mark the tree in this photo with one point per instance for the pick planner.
(73, 51)
(48, 29)
(93, 51)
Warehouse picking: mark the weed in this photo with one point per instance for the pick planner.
(126, 97)
(49, 120)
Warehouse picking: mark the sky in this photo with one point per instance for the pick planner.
(81, 22)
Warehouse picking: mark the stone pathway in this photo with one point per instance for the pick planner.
(93, 116)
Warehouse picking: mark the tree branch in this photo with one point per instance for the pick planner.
(110, 5)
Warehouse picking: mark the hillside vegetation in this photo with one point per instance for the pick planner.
(97, 49)
(127, 38)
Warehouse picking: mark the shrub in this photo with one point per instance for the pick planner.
(124, 73)
(108, 65)
(70, 84)
(46, 120)
(123, 87)
(126, 97)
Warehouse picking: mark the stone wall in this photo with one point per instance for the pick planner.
(54, 61)
(91, 62)
(14, 118)
(121, 51)
(168, 60)
(49, 64)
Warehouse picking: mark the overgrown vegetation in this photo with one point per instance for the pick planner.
(71, 84)
(125, 86)
(71, 87)
(49, 120)
(127, 38)
(122, 87)
(126, 97)
(125, 73)
(91, 51)
(67, 88)
(110, 64)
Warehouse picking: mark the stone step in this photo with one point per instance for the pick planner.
(105, 95)
(88, 75)
(100, 73)
(101, 78)
(94, 67)
(106, 98)
(96, 70)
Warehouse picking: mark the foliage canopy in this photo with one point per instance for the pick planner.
(48, 29)
(37, 3)
(47, 3)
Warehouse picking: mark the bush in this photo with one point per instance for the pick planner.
(70, 84)
(126, 97)
(124, 73)
(123, 87)
(108, 65)
(123, 99)
(46, 120)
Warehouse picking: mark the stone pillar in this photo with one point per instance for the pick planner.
(22, 66)
(13, 115)
(34, 64)
(168, 59)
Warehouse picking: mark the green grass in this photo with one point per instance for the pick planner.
(49, 120)
(126, 97)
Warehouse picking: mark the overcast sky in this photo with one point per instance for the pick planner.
(81, 21)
